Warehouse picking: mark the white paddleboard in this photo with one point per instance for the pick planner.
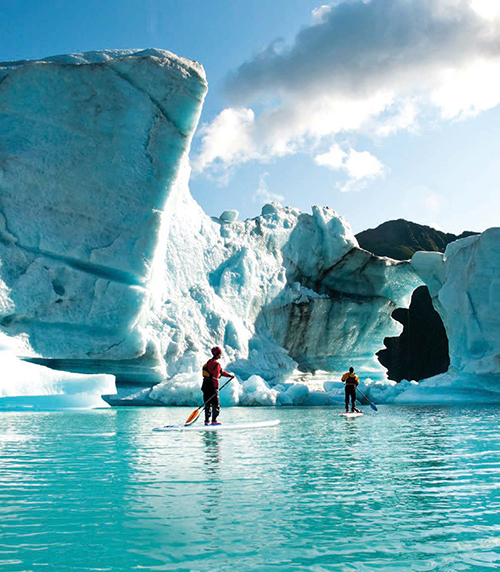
(351, 414)
(222, 427)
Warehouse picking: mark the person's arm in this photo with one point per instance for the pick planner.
(225, 374)
(344, 377)
(357, 380)
(218, 370)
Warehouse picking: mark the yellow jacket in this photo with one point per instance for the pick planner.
(350, 378)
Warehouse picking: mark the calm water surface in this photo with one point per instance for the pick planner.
(409, 488)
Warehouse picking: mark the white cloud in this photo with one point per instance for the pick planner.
(333, 159)
(319, 14)
(488, 9)
(360, 166)
(468, 91)
(262, 194)
(362, 67)
(363, 165)
(228, 139)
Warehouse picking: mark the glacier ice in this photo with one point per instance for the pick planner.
(90, 151)
(286, 294)
(29, 386)
(109, 266)
(464, 283)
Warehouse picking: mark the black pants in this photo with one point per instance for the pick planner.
(213, 406)
(350, 391)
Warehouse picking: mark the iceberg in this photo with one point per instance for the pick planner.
(28, 386)
(108, 266)
(464, 283)
(287, 294)
(91, 146)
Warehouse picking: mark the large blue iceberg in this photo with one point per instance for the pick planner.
(91, 149)
(110, 267)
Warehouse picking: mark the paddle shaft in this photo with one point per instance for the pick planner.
(202, 407)
(369, 402)
(194, 416)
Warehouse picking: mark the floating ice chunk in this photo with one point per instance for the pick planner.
(256, 391)
(91, 147)
(25, 385)
(298, 393)
(449, 388)
(185, 389)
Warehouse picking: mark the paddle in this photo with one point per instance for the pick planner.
(196, 413)
(374, 407)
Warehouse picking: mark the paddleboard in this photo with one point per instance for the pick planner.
(351, 414)
(222, 427)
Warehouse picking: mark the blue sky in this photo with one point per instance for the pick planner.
(380, 109)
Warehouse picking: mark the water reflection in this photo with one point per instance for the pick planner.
(405, 489)
(211, 464)
(212, 457)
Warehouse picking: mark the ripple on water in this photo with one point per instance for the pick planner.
(409, 488)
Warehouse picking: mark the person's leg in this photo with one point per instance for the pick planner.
(353, 398)
(207, 397)
(215, 406)
(346, 398)
(352, 393)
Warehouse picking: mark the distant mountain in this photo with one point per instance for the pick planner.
(400, 239)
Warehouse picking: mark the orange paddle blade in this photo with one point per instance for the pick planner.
(193, 417)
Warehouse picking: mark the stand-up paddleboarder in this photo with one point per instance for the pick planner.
(212, 371)
(351, 381)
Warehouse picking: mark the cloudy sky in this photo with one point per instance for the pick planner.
(381, 109)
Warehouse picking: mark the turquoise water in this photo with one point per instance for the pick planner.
(409, 488)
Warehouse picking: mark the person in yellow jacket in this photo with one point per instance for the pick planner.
(351, 381)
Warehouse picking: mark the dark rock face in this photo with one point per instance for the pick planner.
(400, 239)
(421, 350)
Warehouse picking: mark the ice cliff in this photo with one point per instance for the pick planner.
(91, 146)
(108, 265)
(464, 283)
(287, 294)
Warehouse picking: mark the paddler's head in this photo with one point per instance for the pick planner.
(216, 352)
(351, 370)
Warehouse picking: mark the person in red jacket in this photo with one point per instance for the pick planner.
(212, 371)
